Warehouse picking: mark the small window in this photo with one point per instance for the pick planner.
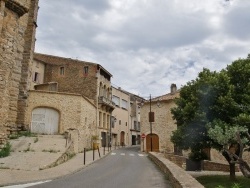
(120, 122)
(61, 71)
(85, 70)
(35, 78)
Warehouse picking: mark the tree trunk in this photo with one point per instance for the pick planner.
(232, 171)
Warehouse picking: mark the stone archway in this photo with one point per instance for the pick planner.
(155, 143)
(45, 121)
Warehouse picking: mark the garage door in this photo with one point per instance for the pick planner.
(44, 121)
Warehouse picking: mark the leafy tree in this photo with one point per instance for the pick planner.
(214, 100)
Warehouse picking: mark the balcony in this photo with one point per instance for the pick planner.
(103, 101)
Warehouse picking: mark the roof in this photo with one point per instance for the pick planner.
(56, 60)
(166, 97)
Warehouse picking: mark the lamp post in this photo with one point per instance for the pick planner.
(151, 119)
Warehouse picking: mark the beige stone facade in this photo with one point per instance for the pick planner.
(126, 127)
(17, 30)
(121, 113)
(87, 79)
(75, 113)
(163, 124)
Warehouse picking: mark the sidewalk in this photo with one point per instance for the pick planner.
(13, 176)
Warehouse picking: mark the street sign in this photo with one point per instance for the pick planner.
(143, 135)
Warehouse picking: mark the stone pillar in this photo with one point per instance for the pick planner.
(26, 71)
(11, 49)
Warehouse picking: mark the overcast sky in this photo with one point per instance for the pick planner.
(146, 44)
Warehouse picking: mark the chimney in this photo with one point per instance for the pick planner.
(173, 88)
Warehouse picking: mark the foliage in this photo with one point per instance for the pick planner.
(198, 155)
(223, 181)
(213, 107)
(5, 151)
(22, 133)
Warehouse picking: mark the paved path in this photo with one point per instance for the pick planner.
(21, 174)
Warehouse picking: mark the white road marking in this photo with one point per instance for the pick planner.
(131, 154)
(27, 185)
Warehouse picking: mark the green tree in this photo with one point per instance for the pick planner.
(213, 99)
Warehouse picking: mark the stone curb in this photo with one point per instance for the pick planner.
(176, 175)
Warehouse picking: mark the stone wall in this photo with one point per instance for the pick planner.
(73, 80)
(13, 26)
(181, 161)
(26, 71)
(77, 114)
(178, 177)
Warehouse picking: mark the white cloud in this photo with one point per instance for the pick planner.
(147, 45)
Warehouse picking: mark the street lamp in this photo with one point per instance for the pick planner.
(151, 119)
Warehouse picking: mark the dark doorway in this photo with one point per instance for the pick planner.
(133, 140)
(104, 138)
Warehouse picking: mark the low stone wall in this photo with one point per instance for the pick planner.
(205, 165)
(68, 154)
(177, 159)
(214, 166)
(178, 177)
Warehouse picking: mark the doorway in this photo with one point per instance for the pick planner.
(155, 143)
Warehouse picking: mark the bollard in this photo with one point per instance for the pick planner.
(84, 156)
(93, 154)
(104, 150)
(99, 151)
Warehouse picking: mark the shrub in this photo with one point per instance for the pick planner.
(5, 151)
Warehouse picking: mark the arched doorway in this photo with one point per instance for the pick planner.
(155, 143)
(45, 121)
(122, 138)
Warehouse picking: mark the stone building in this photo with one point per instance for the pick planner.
(162, 123)
(53, 112)
(88, 80)
(120, 129)
(17, 36)
(135, 115)
(126, 128)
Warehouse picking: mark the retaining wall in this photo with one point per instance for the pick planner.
(178, 177)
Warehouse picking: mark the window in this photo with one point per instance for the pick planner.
(36, 77)
(104, 120)
(108, 119)
(61, 72)
(100, 119)
(120, 122)
(126, 123)
(135, 125)
(139, 126)
(124, 104)
(116, 100)
(85, 70)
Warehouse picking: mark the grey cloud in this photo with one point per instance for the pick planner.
(237, 21)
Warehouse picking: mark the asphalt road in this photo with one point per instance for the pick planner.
(123, 168)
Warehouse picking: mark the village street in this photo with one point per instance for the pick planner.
(124, 167)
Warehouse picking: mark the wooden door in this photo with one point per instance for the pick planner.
(155, 143)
